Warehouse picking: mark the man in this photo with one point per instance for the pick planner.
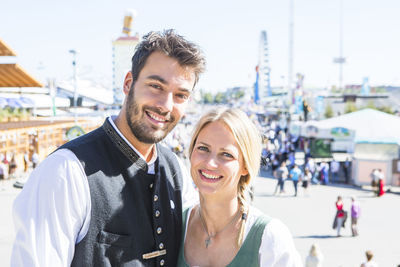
(113, 197)
(335, 168)
(281, 174)
(296, 175)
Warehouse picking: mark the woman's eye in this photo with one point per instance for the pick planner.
(227, 155)
(202, 148)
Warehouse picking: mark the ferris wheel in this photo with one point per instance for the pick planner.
(263, 68)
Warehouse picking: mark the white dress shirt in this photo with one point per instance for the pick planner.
(52, 212)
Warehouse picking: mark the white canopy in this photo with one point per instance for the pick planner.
(370, 126)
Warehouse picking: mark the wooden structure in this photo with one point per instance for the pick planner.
(42, 136)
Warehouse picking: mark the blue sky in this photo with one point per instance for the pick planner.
(42, 32)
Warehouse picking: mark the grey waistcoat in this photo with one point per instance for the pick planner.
(132, 213)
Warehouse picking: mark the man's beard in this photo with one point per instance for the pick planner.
(143, 132)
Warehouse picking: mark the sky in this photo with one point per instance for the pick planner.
(42, 32)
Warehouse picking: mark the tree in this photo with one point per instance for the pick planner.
(220, 98)
(350, 107)
(386, 109)
(371, 104)
(239, 94)
(328, 111)
(208, 98)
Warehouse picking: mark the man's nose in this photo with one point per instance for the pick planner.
(166, 102)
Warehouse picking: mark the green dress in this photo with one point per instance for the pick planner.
(248, 252)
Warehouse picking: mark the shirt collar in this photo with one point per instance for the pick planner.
(151, 161)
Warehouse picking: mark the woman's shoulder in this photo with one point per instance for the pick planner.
(277, 246)
(274, 227)
(274, 230)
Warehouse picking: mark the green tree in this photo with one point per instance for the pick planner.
(239, 94)
(328, 111)
(350, 107)
(371, 104)
(208, 98)
(386, 109)
(220, 98)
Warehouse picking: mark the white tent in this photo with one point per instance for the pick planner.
(376, 140)
(371, 126)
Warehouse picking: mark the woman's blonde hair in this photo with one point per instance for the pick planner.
(248, 139)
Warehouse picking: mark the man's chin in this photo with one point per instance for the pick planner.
(153, 138)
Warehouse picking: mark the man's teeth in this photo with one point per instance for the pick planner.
(210, 176)
(154, 117)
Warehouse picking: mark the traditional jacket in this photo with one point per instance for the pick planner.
(136, 217)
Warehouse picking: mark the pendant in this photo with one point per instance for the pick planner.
(208, 241)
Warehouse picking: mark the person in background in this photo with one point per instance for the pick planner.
(369, 262)
(12, 170)
(324, 173)
(335, 167)
(306, 181)
(281, 174)
(296, 176)
(374, 181)
(2, 174)
(355, 214)
(315, 257)
(340, 217)
(26, 161)
(381, 183)
(114, 196)
(35, 159)
(346, 170)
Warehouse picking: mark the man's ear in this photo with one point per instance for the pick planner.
(128, 82)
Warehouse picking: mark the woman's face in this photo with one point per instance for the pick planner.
(216, 161)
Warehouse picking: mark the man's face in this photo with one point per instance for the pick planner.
(157, 100)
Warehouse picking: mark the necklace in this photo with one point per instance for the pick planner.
(208, 239)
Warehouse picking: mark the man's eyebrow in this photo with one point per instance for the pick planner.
(157, 78)
(163, 81)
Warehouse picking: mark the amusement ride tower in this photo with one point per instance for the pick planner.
(263, 84)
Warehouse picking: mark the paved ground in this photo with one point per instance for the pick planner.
(310, 221)
(308, 218)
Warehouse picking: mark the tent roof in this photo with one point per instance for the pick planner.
(5, 50)
(371, 126)
(13, 75)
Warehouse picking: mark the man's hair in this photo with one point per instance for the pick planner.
(171, 44)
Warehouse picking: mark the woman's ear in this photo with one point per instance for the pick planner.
(244, 172)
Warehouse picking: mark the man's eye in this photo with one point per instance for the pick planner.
(156, 86)
(182, 96)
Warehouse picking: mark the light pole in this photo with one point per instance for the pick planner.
(74, 52)
(290, 65)
(340, 60)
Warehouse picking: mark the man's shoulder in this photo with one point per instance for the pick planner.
(167, 153)
(85, 139)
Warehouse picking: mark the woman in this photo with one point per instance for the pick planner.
(315, 258)
(223, 230)
(340, 215)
